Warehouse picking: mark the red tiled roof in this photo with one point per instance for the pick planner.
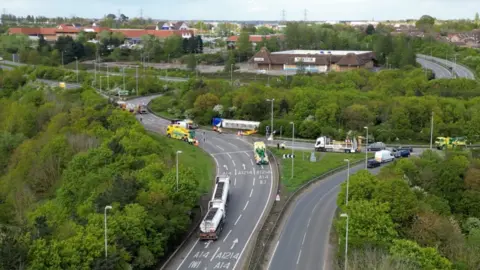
(32, 31)
(137, 33)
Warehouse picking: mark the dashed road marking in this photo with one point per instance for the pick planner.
(299, 254)
(233, 161)
(254, 181)
(304, 235)
(188, 254)
(247, 154)
(215, 254)
(236, 146)
(251, 191)
(220, 148)
(251, 161)
(227, 236)
(245, 206)
(229, 155)
(238, 219)
(235, 182)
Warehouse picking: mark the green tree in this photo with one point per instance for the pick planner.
(370, 30)
(403, 203)
(410, 254)
(362, 186)
(425, 23)
(244, 46)
(191, 62)
(230, 63)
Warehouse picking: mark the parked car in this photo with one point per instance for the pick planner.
(384, 156)
(378, 146)
(409, 148)
(402, 153)
(372, 163)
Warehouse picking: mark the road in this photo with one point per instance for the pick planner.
(460, 70)
(439, 70)
(304, 239)
(251, 192)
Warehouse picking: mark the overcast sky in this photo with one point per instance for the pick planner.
(248, 9)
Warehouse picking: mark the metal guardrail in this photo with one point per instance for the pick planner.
(287, 204)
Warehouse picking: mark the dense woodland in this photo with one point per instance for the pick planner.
(65, 155)
(393, 103)
(418, 213)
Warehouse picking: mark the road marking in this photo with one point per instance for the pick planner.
(254, 181)
(247, 154)
(304, 235)
(299, 254)
(310, 219)
(188, 254)
(258, 221)
(234, 152)
(229, 155)
(233, 161)
(238, 219)
(245, 206)
(244, 166)
(227, 236)
(208, 243)
(225, 166)
(274, 250)
(218, 167)
(233, 145)
(220, 148)
(235, 182)
(262, 167)
(251, 191)
(251, 161)
(214, 254)
(234, 242)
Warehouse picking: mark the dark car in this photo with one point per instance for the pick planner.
(378, 146)
(409, 148)
(402, 153)
(372, 163)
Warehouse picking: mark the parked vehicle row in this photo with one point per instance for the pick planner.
(385, 156)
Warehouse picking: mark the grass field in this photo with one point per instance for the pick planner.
(194, 157)
(304, 170)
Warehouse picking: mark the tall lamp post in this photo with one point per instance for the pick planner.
(366, 148)
(123, 70)
(106, 208)
(344, 215)
(293, 142)
(271, 126)
(178, 152)
(431, 132)
(348, 179)
(231, 74)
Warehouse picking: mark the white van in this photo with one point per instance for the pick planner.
(384, 156)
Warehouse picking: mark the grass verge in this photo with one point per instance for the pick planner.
(305, 170)
(193, 157)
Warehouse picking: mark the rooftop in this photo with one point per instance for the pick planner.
(320, 52)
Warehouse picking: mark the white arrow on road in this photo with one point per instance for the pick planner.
(225, 166)
(243, 166)
(208, 244)
(234, 242)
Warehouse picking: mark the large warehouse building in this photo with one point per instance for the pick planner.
(312, 60)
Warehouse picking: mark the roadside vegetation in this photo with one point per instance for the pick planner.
(68, 154)
(305, 170)
(418, 213)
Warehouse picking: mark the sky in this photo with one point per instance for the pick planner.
(317, 10)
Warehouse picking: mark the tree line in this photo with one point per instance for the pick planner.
(65, 156)
(395, 104)
(418, 213)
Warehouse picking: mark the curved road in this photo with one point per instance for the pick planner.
(439, 70)
(460, 70)
(304, 239)
(250, 195)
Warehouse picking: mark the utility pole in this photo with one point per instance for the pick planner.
(284, 15)
(305, 15)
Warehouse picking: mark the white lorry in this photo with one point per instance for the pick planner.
(384, 156)
(212, 224)
(325, 144)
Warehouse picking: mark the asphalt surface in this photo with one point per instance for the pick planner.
(304, 240)
(460, 70)
(439, 70)
(250, 193)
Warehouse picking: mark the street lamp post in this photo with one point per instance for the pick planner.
(123, 69)
(136, 76)
(231, 74)
(106, 208)
(366, 148)
(108, 79)
(271, 124)
(178, 152)
(95, 68)
(344, 215)
(431, 132)
(293, 142)
(63, 63)
(348, 179)
(76, 65)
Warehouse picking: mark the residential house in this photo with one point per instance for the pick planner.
(254, 39)
(49, 34)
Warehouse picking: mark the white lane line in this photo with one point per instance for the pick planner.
(245, 206)
(308, 224)
(233, 145)
(234, 152)
(188, 254)
(227, 236)
(229, 155)
(251, 161)
(216, 161)
(214, 254)
(274, 250)
(238, 219)
(258, 221)
(235, 182)
(247, 154)
(299, 254)
(233, 161)
(220, 148)
(254, 181)
(251, 191)
(225, 166)
(304, 235)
